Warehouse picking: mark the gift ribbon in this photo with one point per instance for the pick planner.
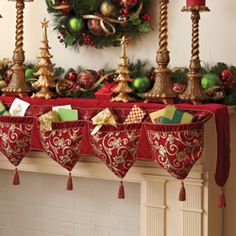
(47, 119)
(105, 117)
(105, 24)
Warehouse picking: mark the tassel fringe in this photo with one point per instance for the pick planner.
(69, 183)
(182, 193)
(221, 203)
(16, 178)
(121, 193)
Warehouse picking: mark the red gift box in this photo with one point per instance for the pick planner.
(106, 91)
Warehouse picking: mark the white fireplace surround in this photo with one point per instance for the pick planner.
(161, 214)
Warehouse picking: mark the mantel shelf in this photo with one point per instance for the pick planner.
(91, 167)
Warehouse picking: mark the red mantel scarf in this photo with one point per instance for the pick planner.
(89, 107)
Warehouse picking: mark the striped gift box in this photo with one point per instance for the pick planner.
(172, 115)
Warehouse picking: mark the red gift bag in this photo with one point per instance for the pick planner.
(176, 147)
(63, 143)
(116, 148)
(15, 135)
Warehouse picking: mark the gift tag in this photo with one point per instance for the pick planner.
(56, 108)
(18, 107)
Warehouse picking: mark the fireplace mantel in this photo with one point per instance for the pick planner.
(159, 191)
(161, 212)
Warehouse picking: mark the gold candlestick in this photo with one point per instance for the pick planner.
(194, 92)
(123, 78)
(18, 86)
(162, 90)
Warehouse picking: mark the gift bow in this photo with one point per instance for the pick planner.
(47, 119)
(105, 117)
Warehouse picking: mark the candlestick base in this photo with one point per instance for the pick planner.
(162, 90)
(194, 92)
(17, 86)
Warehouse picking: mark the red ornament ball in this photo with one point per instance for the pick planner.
(94, 27)
(226, 77)
(88, 40)
(72, 76)
(128, 3)
(179, 88)
(66, 9)
(86, 79)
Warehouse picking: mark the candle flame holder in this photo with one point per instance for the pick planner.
(194, 92)
(18, 86)
(162, 90)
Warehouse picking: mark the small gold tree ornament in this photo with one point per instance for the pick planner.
(123, 77)
(45, 73)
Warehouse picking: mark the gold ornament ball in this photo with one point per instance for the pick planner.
(107, 8)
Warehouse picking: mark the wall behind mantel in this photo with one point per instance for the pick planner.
(216, 33)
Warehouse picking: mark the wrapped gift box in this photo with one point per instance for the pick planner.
(106, 91)
(172, 115)
(3, 110)
(135, 116)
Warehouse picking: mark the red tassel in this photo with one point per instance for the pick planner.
(121, 193)
(69, 183)
(182, 193)
(221, 203)
(16, 178)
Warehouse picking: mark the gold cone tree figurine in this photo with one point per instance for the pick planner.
(123, 77)
(45, 66)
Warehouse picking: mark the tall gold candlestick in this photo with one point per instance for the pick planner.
(162, 89)
(194, 92)
(18, 86)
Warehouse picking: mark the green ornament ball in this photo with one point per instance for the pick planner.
(141, 84)
(29, 73)
(75, 25)
(209, 80)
